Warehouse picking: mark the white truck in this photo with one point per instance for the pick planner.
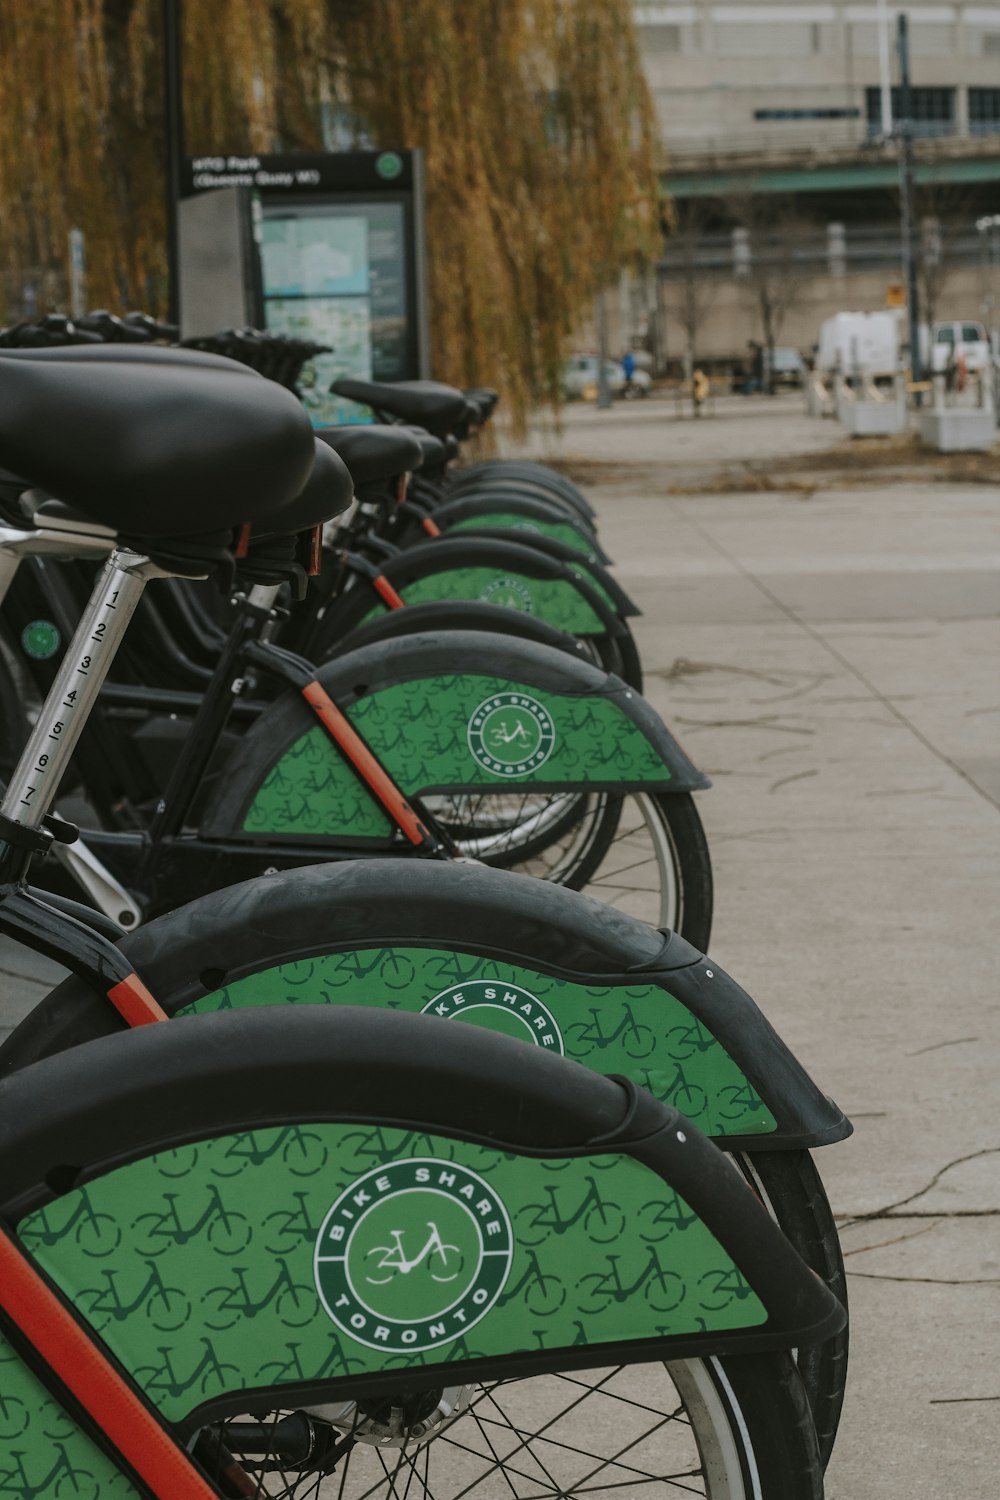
(860, 343)
(947, 343)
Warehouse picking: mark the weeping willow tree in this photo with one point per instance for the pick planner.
(533, 114)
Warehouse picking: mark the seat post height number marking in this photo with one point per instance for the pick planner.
(81, 674)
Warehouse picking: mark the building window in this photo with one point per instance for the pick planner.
(806, 114)
(984, 111)
(932, 110)
(660, 38)
(991, 43)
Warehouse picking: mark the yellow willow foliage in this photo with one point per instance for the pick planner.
(533, 114)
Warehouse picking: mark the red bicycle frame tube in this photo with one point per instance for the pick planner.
(343, 733)
(134, 1003)
(84, 1370)
(387, 593)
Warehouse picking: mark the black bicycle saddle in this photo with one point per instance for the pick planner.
(329, 491)
(128, 354)
(485, 398)
(431, 447)
(426, 402)
(372, 452)
(157, 447)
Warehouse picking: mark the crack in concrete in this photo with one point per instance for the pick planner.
(900, 1239)
(798, 776)
(889, 1210)
(905, 791)
(959, 1400)
(928, 1280)
(765, 721)
(956, 1041)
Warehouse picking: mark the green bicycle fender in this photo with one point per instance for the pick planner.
(639, 1238)
(554, 600)
(445, 712)
(394, 934)
(500, 570)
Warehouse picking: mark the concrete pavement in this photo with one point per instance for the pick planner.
(834, 664)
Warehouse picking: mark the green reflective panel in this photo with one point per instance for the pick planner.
(483, 731)
(550, 599)
(640, 1031)
(320, 1250)
(43, 1454)
(451, 731)
(312, 789)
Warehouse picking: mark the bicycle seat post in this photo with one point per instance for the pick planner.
(35, 781)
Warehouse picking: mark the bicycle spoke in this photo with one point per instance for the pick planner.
(541, 1438)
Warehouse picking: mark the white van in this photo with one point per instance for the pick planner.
(950, 340)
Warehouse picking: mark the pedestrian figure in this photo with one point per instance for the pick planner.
(628, 369)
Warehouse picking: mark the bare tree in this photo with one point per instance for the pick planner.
(943, 210)
(775, 257)
(691, 288)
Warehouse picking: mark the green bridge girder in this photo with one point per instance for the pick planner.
(843, 177)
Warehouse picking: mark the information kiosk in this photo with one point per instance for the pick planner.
(325, 247)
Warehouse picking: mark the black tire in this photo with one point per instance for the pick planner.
(792, 1191)
(645, 853)
(736, 1428)
(531, 476)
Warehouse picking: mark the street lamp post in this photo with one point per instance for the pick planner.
(173, 126)
(988, 229)
(904, 129)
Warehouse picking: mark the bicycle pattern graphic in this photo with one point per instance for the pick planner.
(166, 1307)
(642, 1031)
(43, 1455)
(599, 1247)
(419, 731)
(602, 1221)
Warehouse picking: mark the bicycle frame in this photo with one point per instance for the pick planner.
(161, 857)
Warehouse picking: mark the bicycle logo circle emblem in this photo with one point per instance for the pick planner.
(511, 593)
(412, 1254)
(41, 639)
(502, 1007)
(389, 165)
(511, 734)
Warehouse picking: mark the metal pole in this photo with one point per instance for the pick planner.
(173, 126)
(905, 132)
(883, 68)
(603, 388)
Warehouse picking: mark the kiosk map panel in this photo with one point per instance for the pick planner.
(337, 275)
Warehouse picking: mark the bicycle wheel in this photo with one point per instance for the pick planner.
(642, 853)
(791, 1190)
(725, 1429)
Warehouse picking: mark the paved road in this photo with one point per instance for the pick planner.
(833, 663)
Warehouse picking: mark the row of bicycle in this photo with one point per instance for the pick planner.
(270, 1226)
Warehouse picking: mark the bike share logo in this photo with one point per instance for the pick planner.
(413, 1254)
(40, 640)
(501, 1007)
(511, 734)
(511, 593)
(389, 165)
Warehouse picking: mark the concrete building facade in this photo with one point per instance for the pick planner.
(784, 187)
(750, 78)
